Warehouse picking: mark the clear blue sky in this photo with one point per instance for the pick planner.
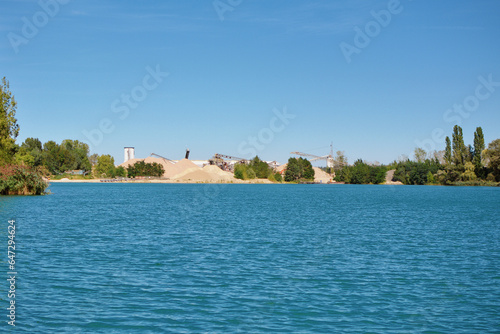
(71, 72)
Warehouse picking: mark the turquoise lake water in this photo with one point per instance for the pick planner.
(159, 258)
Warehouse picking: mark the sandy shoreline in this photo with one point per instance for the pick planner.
(259, 181)
(186, 172)
(107, 181)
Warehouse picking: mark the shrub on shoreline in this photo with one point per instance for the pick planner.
(21, 180)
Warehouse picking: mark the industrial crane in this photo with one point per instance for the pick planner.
(328, 158)
(224, 156)
(218, 160)
(159, 156)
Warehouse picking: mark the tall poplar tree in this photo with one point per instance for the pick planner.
(459, 149)
(447, 151)
(478, 151)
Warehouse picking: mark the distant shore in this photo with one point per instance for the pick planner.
(66, 180)
(255, 181)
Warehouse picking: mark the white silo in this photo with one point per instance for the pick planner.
(129, 153)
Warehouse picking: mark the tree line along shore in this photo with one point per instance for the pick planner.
(25, 168)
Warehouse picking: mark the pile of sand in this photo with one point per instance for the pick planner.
(205, 174)
(179, 168)
(171, 169)
(321, 176)
(388, 178)
(281, 168)
(187, 171)
(129, 163)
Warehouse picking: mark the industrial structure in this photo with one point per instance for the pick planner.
(226, 162)
(159, 156)
(328, 158)
(129, 153)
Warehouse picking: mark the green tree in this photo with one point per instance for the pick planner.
(447, 151)
(430, 178)
(420, 154)
(93, 159)
(53, 157)
(459, 149)
(76, 155)
(120, 171)
(478, 152)
(261, 168)
(343, 175)
(24, 157)
(340, 161)
(256, 168)
(29, 153)
(293, 169)
(492, 156)
(141, 168)
(410, 172)
(468, 174)
(298, 169)
(251, 173)
(360, 173)
(105, 166)
(240, 171)
(9, 129)
(278, 177)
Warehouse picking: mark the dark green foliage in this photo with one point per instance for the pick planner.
(120, 171)
(361, 173)
(70, 155)
(469, 153)
(251, 173)
(416, 173)
(256, 168)
(9, 129)
(293, 170)
(105, 166)
(464, 165)
(75, 155)
(447, 151)
(299, 169)
(468, 174)
(449, 175)
(142, 168)
(52, 157)
(261, 168)
(278, 177)
(30, 152)
(492, 154)
(343, 175)
(240, 171)
(478, 152)
(21, 180)
(460, 151)
(430, 178)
